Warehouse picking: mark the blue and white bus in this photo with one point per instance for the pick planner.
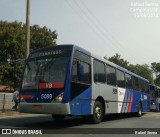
(67, 80)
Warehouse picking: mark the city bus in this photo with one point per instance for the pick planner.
(154, 92)
(67, 80)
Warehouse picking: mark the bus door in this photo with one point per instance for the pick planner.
(81, 87)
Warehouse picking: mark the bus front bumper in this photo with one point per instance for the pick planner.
(44, 108)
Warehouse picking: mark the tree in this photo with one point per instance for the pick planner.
(41, 37)
(12, 38)
(156, 70)
(118, 60)
(142, 70)
(12, 46)
(157, 80)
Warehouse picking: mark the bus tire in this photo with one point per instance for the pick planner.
(97, 113)
(58, 117)
(139, 113)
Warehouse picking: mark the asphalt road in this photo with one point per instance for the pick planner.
(77, 125)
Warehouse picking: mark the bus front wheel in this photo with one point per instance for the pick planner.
(97, 113)
(58, 117)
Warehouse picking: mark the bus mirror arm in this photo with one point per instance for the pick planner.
(80, 69)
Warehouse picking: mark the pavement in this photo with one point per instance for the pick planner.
(7, 103)
(16, 114)
(152, 114)
(11, 114)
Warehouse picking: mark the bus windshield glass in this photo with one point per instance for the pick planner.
(44, 73)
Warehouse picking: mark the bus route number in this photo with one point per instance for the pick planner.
(46, 96)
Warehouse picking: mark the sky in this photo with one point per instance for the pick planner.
(130, 28)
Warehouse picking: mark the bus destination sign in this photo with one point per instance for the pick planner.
(47, 53)
(53, 52)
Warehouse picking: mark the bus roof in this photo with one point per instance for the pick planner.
(154, 87)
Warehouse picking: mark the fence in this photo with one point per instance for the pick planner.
(6, 102)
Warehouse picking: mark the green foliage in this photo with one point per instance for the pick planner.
(142, 70)
(7, 73)
(12, 46)
(156, 70)
(118, 60)
(12, 41)
(41, 37)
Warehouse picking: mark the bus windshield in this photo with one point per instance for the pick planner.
(43, 73)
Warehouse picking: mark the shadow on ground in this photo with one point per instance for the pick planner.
(46, 122)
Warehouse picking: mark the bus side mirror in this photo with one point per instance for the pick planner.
(80, 70)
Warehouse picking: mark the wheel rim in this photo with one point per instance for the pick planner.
(98, 112)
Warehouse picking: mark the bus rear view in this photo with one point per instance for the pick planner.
(44, 81)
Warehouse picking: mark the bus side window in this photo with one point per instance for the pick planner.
(81, 72)
(120, 79)
(142, 85)
(84, 72)
(111, 75)
(135, 83)
(128, 79)
(99, 71)
(146, 87)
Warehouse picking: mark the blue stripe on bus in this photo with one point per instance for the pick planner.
(132, 99)
(66, 96)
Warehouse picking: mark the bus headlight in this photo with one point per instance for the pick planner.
(59, 98)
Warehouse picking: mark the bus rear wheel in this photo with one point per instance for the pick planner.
(97, 113)
(58, 117)
(139, 113)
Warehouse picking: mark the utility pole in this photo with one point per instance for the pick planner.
(27, 29)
